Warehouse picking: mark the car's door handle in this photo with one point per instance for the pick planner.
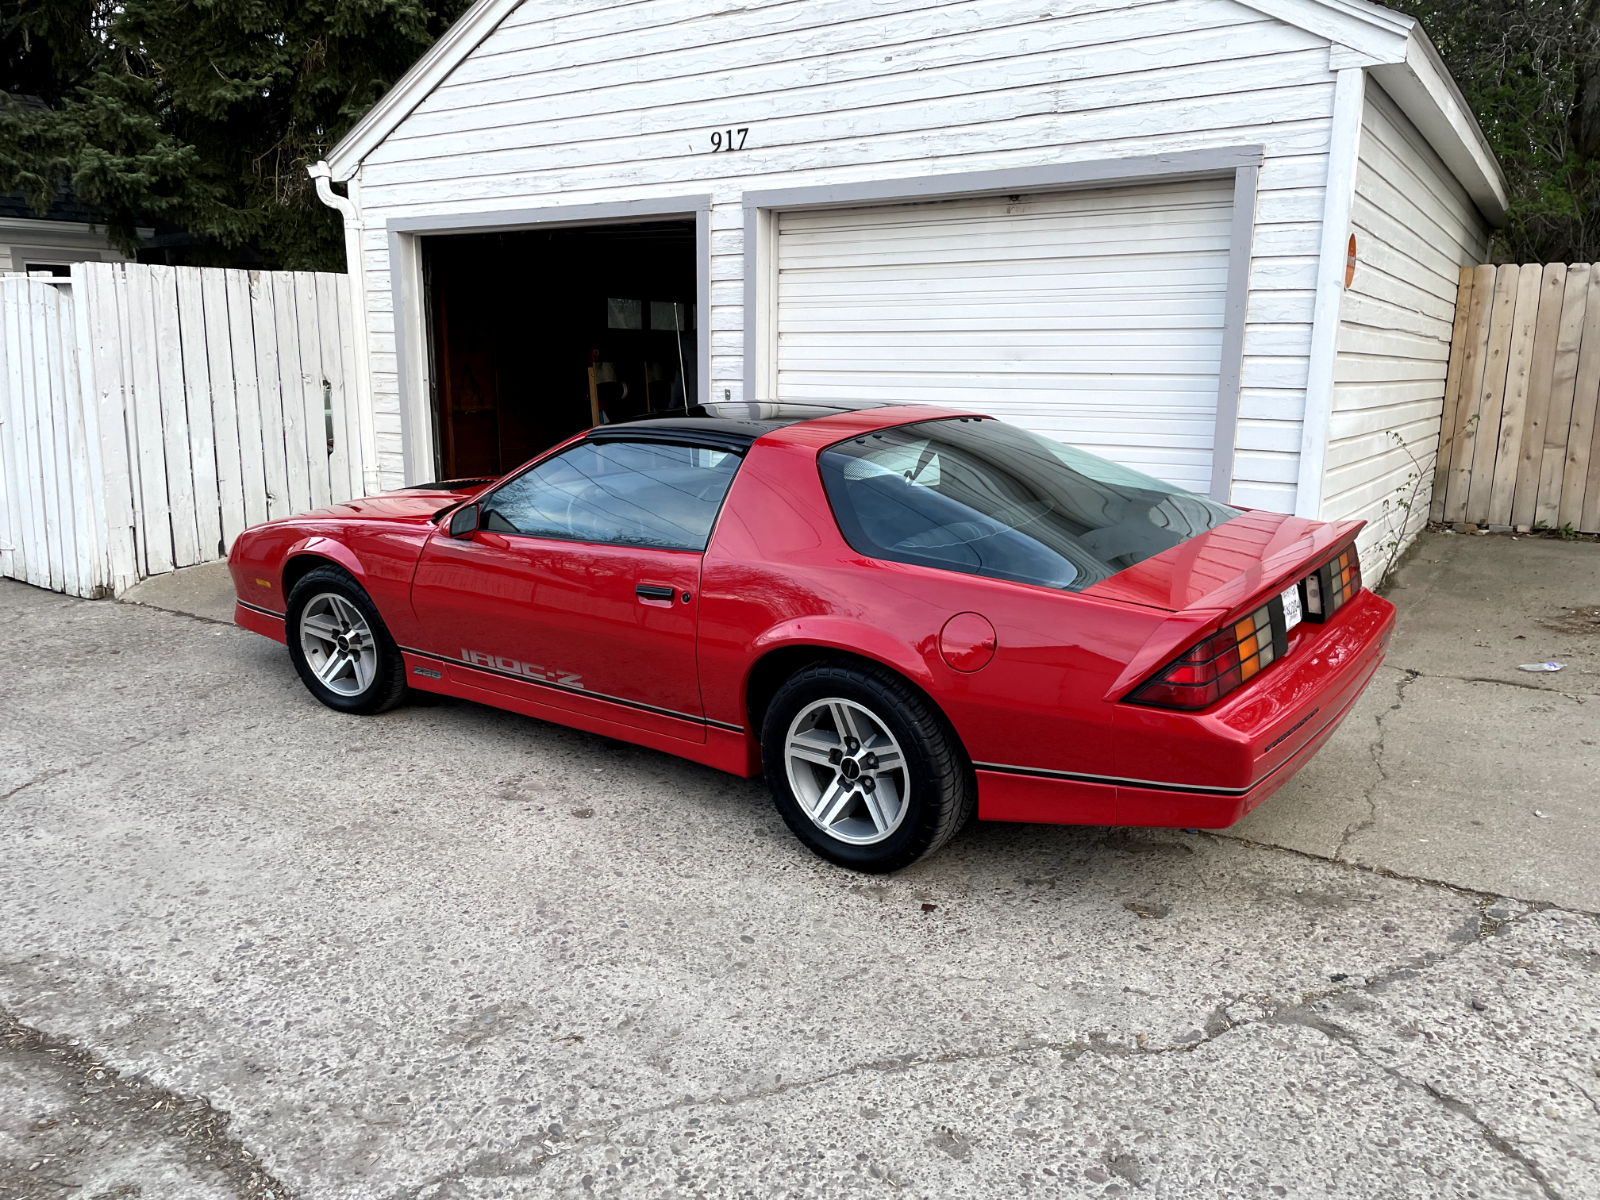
(653, 591)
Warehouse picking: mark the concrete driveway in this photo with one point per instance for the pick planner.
(1456, 765)
(250, 947)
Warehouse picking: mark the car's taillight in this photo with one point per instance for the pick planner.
(1332, 584)
(1211, 669)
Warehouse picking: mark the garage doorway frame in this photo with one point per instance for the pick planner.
(407, 290)
(1242, 163)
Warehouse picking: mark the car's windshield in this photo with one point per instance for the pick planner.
(986, 498)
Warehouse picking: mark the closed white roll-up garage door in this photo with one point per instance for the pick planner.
(1094, 317)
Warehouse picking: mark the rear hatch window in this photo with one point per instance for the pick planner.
(981, 497)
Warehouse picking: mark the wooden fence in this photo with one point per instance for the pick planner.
(1520, 444)
(151, 413)
(51, 511)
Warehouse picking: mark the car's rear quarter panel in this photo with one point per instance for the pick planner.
(1049, 706)
(778, 573)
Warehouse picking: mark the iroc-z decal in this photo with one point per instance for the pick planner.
(511, 666)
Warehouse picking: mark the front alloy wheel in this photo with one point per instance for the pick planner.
(338, 644)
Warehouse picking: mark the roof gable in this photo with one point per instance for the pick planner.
(412, 88)
(1391, 46)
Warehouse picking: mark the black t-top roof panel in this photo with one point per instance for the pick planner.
(730, 418)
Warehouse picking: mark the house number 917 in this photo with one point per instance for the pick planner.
(728, 139)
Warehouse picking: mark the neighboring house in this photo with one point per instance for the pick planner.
(1125, 226)
(69, 232)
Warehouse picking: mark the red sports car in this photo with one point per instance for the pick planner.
(901, 614)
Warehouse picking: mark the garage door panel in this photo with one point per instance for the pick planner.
(904, 300)
(1168, 372)
(1202, 290)
(868, 252)
(1145, 204)
(1000, 318)
(1048, 367)
(1068, 345)
(1145, 394)
(1092, 317)
(1132, 274)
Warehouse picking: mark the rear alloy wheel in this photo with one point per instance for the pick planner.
(846, 770)
(340, 645)
(863, 769)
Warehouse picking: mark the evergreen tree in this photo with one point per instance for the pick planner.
(1530, 72)
(204, 113)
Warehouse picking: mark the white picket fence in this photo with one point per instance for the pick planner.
(151, 413)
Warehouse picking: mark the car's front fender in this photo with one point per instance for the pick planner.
(323, 547)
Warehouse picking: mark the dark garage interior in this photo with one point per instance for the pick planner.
(538, 334)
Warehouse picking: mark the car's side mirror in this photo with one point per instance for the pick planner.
(464, 521)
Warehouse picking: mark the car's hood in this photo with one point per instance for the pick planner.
(1226, 566)
(413, 505)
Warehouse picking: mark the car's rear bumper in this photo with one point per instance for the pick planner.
(1231, 759)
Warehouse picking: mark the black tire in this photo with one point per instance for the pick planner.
(938, 788)
(387, 684)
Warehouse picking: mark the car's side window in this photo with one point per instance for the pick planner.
(643, 493)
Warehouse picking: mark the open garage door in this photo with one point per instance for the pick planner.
(1093, 317)
(536, 334)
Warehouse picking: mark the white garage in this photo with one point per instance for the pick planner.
(1216, 240)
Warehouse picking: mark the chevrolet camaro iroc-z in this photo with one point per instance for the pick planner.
(904, 616)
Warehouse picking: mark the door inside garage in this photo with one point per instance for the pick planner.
(538, 334)
(1093, 317)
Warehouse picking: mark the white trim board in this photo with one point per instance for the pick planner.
(1397, 51)
(412, 88)
(1422, 89)
(1349, 101)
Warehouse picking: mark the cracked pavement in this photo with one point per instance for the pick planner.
(253, 948)
(1454, 765)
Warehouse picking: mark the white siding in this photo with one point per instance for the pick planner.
(584, 102)
(1415, 228)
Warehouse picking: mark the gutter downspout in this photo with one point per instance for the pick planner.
(356, 275)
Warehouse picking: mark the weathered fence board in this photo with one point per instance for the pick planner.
(1546, 338)
(1455, 441)
(1520, 439)
(48, 534)
(200, 414)
(151, 413)
(269, 384)
(1507, 447)
(247, 398)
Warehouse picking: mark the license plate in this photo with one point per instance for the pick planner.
(1291, 607)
